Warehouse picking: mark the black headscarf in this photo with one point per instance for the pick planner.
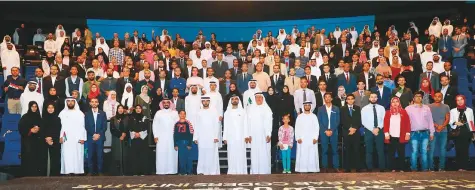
(51, 121)
(272, 101)
(30, 119)
(231, 93)
(287, 102)
(137, 116)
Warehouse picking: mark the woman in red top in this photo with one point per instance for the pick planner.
(397, 131)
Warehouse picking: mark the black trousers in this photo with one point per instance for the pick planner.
(396, 146)
(352, 151)
(462, 144)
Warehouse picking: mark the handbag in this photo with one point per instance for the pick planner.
(454, 132)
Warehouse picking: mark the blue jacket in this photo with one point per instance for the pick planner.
(180, 84)
(243, 84)
(386, 99)
(323, 119)
(350, 86)
(98, 127)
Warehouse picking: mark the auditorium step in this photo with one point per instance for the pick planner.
(223, 158)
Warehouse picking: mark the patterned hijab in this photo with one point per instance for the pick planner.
(395, 109)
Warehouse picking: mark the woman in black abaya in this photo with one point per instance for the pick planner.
(33, 149)
(51, 124)
(120, 140)
(139, 151)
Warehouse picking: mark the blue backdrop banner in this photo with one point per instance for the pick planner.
(225, 31)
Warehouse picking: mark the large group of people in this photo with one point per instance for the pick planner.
(304, 90)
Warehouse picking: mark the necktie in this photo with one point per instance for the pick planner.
(304, 96)
(447, 74)
(327, 76)
(308, 78)
(410, 56)
(293, 82)
(275, 79)
(347, 78)
(39, 86)
(428, 75)
(351, 111)
(219, 63)
(375, 116)
(126, 80)
(361, 93)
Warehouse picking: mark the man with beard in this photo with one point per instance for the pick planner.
(216, 102)
(404, 93)
(96, 126)
(351, 123)
(383, 93)
(372, 117)
(117, 53)
(192, 103)
(30, 94)
(259, 120)
(109, 83)
(10, 58)
(206, 137)
(91, 79)
(72, 138)
(459, 43)
(235, 136)
(163, 124)
(147, 81)
(54, 81)
(50, 44)
(306, 133)
(78, 44)
(248, 95)
(438, 64)
(445, 45)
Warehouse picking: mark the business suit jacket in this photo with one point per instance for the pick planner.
(158, 84)
(318, 39)
(453, 77)
(219, 70)
(318, 100)
(350, 121)
(403, 47)
(337, 102)
(339, 52)
(375, 61)
(371, 80)
(361, 101)
(434, 80)
(324, 51)
(179, 104)
(385, 100)
(450, 95)
(280, 83)
(459, 41)
(291, 62)
(64, 71)
(59, 85)
(81, 70)
(415, 62)
(96, 127)
(243, 83)
(331, 82)
(235, 73)
(292, 84)
(406, 96)
(313, 83)
(447, 44)
(350, 86)
(323, 119)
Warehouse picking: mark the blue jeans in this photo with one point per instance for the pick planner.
(419, 142)
(185, 164)
(440, 140)
(286, 159)
(333, 141)
(95, 148)
(371, 140)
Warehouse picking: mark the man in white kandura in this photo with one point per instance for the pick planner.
(31, 94)
(193, 104)
(248, 96)
(216, 102)
(206, 137)
(72, 138)
(234, 135)
(259, 122)
(306, 133)
(163, 126)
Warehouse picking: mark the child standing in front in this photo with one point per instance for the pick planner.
(183, 137)
(286, 141)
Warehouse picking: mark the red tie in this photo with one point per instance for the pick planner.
(411, 56)
(39, 87)
(347, 78)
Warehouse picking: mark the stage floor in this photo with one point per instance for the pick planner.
(407, 180)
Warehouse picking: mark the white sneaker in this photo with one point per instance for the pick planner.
(284, 172)
(289, 172)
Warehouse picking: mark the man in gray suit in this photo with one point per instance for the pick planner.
(459, 42)
(361, 95)
(220, 67)
(179, 103)
(433, 76)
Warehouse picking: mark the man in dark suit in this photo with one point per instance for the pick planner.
(319, 94)
(81, 65)
(78, 44)
(350, 117)
(180, 59)
(326, 49)
(413, 59)
(375, 61)
(162, 82)
(220, 67)
(367, 77)
(235, 70)
(329, 132)
(224, 84)
(63, 69)
(120, 84)
(312, 80)
(179, 102)
(243, 78)
(277, 80)
(445, 45)
(448, 91)
(339, 49)
(329, 78)
(288, 61)
(404, 45)
(453, 76)
(404, 93)
(347, 79)
(384, 93)
(431, 75)
(54, 80)
(96, 126)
